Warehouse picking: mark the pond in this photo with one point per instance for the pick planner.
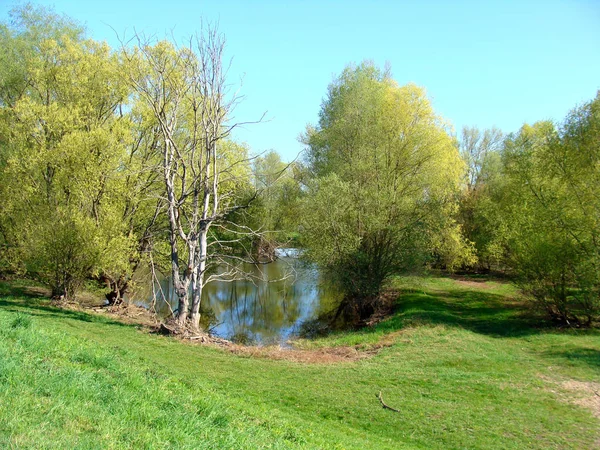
(269, 309)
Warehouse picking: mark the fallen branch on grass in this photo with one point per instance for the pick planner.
(384, 405)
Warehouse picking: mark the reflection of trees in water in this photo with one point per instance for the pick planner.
(252, 311)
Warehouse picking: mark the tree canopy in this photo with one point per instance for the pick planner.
(386, 174)
(552, 200)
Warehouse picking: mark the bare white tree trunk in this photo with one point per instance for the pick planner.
(199, 281)
(185, 88)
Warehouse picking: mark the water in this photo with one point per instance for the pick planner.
(269, 309)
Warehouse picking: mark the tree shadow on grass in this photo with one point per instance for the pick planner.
(481, 312)
(23, 291)
(35, 302)
(582, 356)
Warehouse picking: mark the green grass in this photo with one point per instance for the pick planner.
(469, 368)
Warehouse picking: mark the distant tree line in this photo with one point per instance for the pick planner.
(115, 159)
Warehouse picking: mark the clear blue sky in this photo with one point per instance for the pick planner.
(483, 63)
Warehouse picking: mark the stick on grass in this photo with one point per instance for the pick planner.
(384, 405)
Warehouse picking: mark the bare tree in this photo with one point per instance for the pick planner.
(475, 145)
(185, 89)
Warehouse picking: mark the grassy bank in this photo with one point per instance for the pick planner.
(466, 366)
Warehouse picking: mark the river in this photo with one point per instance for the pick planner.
(269, 309)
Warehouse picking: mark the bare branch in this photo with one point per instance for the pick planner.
(386, 406)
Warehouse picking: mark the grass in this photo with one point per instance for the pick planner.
(468, 367)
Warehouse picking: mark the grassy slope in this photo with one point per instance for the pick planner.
(467, 370)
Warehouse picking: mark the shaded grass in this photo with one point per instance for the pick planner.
(578, 356)
(492, 309)
(466, 370)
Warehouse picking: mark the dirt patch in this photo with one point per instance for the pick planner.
(36, 291)
(129, 314)
(468, 282)
(319, 356)
(581, 393)
(326, 355)
(588, 394)
(385, 307)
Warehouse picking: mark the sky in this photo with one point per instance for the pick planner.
(483, 63)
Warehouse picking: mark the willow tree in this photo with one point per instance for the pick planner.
(21, 41)
(385, 177)
(277, 205)
(64, 144)
(203, 173)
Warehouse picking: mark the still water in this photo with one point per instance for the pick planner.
(269, 309)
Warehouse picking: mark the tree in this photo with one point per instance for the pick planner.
(19, 44)
(479, 214)
(140, 204)
(553, 204)
(203, 173)
(279, 191)
(385, 178)
(476, 147)
(65, 140)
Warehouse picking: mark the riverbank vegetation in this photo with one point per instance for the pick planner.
(116, 159)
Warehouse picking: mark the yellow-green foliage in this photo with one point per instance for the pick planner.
(65, 147)
(386, 174)
(552, 199)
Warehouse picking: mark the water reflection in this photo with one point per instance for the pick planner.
(259, 310)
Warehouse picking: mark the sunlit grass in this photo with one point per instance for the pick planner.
(467, 367)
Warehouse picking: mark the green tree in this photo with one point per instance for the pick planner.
(476, 147)
(386, 174)
(139, 202)
(479, 214)
(64, 146)
(553, 177)
(279, 191)
(19, 43)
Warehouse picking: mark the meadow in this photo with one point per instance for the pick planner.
(465, 363)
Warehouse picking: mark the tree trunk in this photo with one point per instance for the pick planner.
(58, 292)
(179, 286)
(118, 288)
(199, 279)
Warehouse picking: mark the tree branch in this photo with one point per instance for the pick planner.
(384, 405)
